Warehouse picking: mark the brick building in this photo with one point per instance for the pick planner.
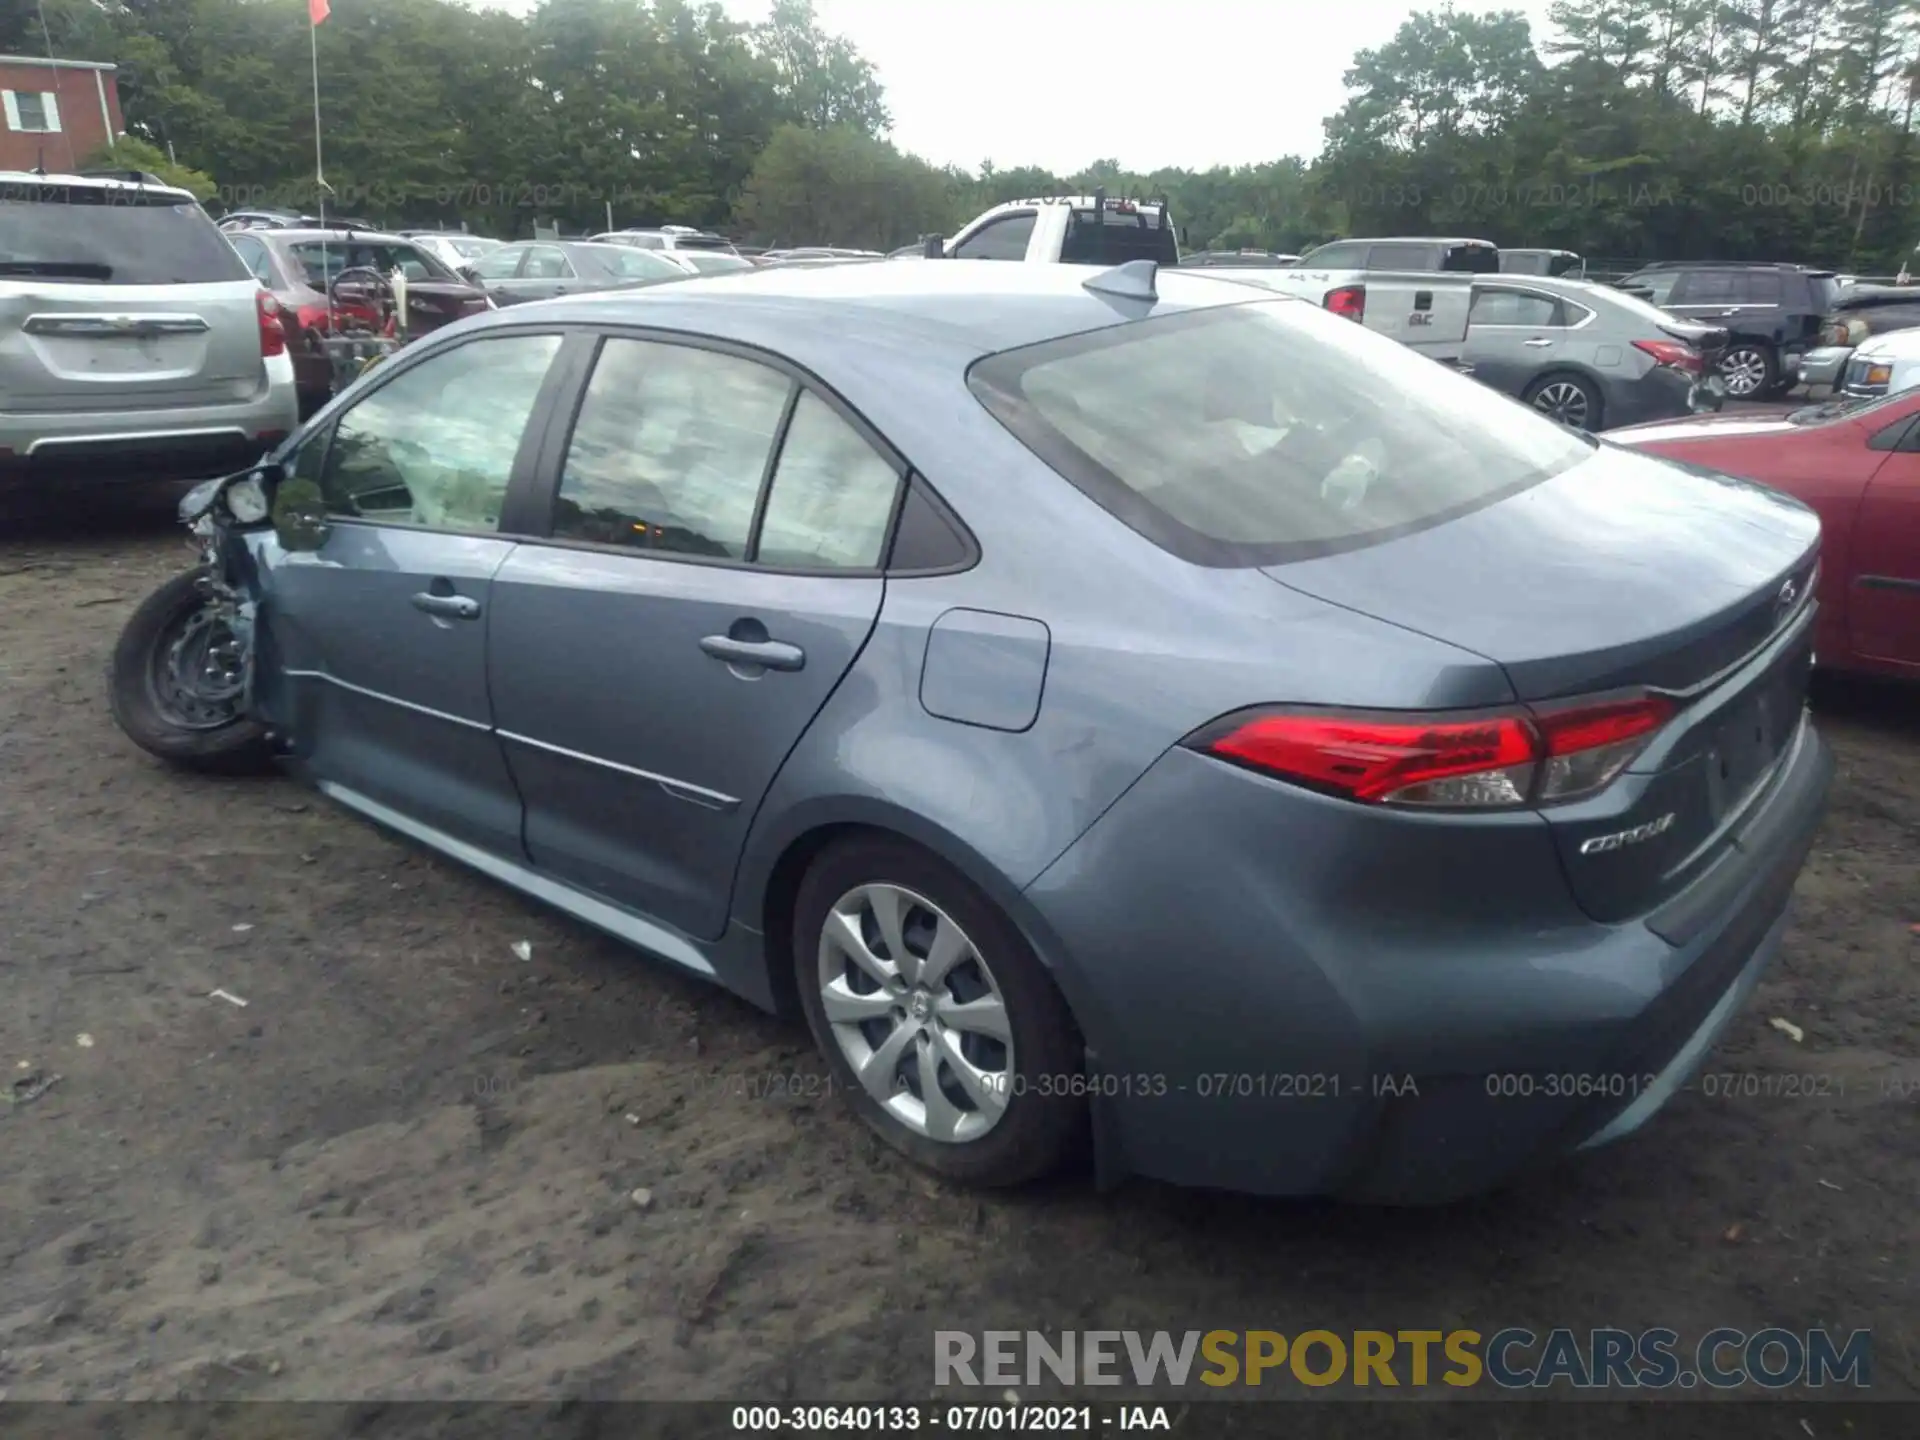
(55, 112)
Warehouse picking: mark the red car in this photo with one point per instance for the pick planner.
(1858, 465)
(300, 268)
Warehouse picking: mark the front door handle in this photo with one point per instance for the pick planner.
(459, 607)
(772, 654)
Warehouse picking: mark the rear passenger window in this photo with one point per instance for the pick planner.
(1707, 287)
(1761, 287)
(832, 496)
(255, 256)
(670, 450)
(1514, 307)
(1471, 260)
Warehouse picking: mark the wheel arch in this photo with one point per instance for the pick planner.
(769, 878)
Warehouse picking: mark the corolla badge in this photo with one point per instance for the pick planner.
(1601, 844)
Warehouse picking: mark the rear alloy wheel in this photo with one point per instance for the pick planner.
(1568, 399)
(931, 1009)
(1748, 370)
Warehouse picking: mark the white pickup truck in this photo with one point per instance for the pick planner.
(1417, 291)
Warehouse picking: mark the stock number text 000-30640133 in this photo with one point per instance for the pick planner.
(957, 1418)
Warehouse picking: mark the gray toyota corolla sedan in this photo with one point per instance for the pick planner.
(1111, 706)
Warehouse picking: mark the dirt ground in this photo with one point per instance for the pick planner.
(403, 1168)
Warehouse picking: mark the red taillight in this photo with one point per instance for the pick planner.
(1349, 301)
(1679, 355)
(1480, 761)
(273, 335)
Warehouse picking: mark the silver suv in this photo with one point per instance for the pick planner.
(134, 344)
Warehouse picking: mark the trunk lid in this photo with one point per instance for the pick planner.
(1625, 572)
(1709, 341)
(120, 298)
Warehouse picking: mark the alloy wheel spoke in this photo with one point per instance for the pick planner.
(984, 1089)
(943, 1116)
(948, 949)
(889, 907)
(844, 930)
(985, 1016)
(847, 1006)
(877, 1074)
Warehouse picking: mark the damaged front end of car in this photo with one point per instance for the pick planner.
(182, 680)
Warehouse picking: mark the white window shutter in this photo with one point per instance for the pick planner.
(51, 103)
(13, 109)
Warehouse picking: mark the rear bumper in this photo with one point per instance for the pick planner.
(61, 450)
(1304, 1043)
(1661, 394)
(1825, 366)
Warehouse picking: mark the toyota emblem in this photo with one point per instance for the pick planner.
(1789, 592)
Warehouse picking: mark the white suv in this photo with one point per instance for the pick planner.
(669, 237)
(134, 343)
(697, 252)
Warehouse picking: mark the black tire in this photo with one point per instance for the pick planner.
(1591, 408)
(1045, 1123)
(1741, 358)
(239, 747)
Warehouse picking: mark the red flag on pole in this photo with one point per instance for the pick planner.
(317, 10)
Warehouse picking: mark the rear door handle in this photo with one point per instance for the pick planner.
(773, 654)
(1538, 343)
(459, 607)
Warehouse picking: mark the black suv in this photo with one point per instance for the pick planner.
(1773, 313)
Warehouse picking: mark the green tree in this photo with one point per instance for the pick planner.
(822, 80)
(841, 186)
(130, 152)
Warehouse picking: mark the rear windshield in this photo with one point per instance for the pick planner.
(1268, 431)
(708, 262)
(626, 263)
(701, 242)
(1118, 238)
(93, 234)
(321, 260)
(1472, 259)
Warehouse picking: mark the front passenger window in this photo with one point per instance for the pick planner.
(1005, 239)
(435, 446)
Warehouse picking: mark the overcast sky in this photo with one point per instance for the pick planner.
(1227, 82)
